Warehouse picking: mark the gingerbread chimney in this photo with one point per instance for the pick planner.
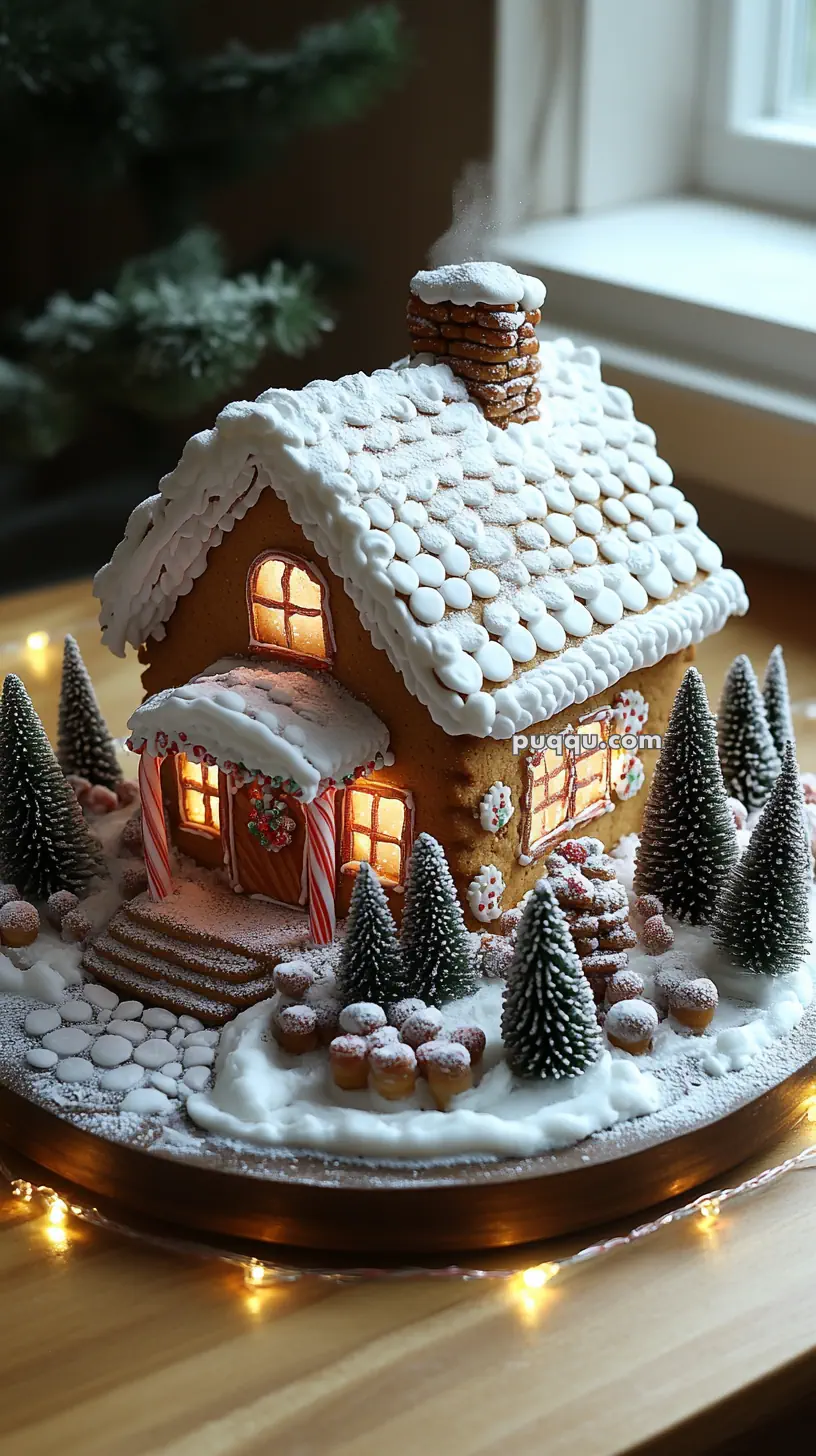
(479, 319)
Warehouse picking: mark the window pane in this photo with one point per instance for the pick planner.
(304, 591)
(361, 808)
(209, 775)
(191, 771)
(388, 861)
(591, 783)
(360, 847)
(306, 635)
(391, 817)
(269, 580)
(194, 807)
(215, 811)
(270, 625)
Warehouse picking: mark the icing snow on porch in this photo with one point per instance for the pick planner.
(282, 724)
(295, 731)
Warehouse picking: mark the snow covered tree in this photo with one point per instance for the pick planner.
(688, 841)
(370, 966)
(548, 1018)
(763, 919)
(436, 955)
(777, 702)
(45, 844)
(84, 745)
(750, 762)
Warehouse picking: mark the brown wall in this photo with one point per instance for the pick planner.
(446, 776)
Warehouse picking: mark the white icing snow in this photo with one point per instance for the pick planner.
(282, 722)
(471, 283)
(339, 453)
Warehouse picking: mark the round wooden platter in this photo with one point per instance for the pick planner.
(306, 1203)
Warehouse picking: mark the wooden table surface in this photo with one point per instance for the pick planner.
(110, 1347)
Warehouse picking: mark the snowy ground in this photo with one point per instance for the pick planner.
(139, 1074)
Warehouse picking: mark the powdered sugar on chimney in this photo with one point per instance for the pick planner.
(479, 319)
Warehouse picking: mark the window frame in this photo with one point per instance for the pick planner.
(535, 848)
(208, 792)
(274, 649)
(348, 864)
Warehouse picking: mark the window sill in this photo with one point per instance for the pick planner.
(699, 307)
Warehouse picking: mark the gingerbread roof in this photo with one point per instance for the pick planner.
(506, 573)
(298, 727)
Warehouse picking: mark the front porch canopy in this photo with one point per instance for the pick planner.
(299, 731)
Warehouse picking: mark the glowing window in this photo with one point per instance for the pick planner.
(377, 829)
(287, 608)
(198, 795)
(548, 796)
(567, 787)
(591, 767)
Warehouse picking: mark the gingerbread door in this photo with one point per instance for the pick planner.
(277, 873)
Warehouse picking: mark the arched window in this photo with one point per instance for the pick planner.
(288, 608)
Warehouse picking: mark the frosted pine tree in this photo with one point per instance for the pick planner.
(45, 844)
(436, 955)
(84, 745)
(777, 702)
(548, 1019)
(688, 841)
(370, 966)
(763, 919)
(750, 762)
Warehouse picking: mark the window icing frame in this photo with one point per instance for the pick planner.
(253, 597)
(207, 790)
(348, 864)
(602, 805)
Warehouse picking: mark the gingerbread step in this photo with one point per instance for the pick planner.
(197, 959)
(128, 983)
(241, 993)
(203, 915)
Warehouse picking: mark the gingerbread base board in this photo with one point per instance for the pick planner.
(341, 1207)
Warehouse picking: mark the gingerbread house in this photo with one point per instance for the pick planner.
(447, 596)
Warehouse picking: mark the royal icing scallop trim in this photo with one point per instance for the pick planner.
(428, 513)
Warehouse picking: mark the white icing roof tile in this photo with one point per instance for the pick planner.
(429, 514)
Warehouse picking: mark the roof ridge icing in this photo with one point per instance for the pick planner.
(506, 573)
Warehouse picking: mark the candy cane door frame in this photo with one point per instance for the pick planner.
(277, 875)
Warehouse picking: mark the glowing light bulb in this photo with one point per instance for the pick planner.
(810, 1108)
(255, 1273)
(709, 1211)
(56, 1212)
(37, 641)
(539, 1275)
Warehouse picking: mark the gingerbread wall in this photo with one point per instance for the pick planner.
(446, 776)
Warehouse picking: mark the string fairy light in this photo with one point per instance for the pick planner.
(529, 1284)
(37, 641)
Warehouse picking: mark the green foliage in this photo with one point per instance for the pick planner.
(84, 746)
(750, 762)
(175, 333)
(549, 1024)
(777, 702)
(688, 841)
(370, 966)
(112, 94)
(45, 844)
(763, 921)
(436, 957)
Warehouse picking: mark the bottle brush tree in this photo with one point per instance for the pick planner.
(84, 745)
(777, 702)
(763, 919)
(436, 954)
(370, 966)
(549, 1024)
(750, 762)
(115, 98)
(45, 844)
(688, 842)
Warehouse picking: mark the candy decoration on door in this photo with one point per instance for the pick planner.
(269, 822)
(631, 712)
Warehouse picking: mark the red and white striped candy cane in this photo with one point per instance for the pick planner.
(154, 831)
(321, 864)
